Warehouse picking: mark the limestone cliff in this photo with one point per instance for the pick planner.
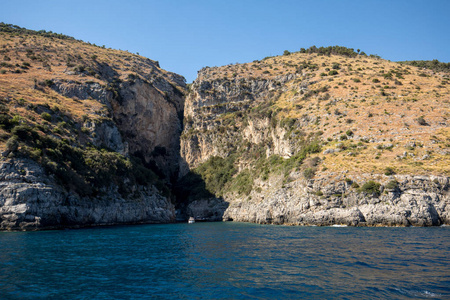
(412, 200)
(319, 140)
(88, 135)
(142, 118)
(31, 200)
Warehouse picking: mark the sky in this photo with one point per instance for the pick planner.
(186, 35)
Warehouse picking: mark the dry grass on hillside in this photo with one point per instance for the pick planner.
(380, 113)
(29, 63)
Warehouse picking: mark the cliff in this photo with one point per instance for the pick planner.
(30, 200)
(88, 135)
(320, 139)
(94, 136)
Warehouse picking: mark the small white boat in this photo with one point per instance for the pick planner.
(191, 220)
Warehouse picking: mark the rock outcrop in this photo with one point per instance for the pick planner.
(31, 200)
(141, 118)
(211, 99)
(415, 201)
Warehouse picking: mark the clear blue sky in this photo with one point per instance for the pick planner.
(185, 36)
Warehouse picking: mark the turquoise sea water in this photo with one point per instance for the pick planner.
(226, 261)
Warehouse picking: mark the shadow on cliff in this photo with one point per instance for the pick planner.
(192, 199)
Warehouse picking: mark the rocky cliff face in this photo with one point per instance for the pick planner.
(222, 114)
(275, 144)
(89, 136)
(141, 118)
(31, 200)
(414, 201)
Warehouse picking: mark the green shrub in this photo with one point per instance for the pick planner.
(287, 123)
(392, 185)
(336, 50)
(421, 121)
(46, 116)
(387, 75)
(336, 66)
(429, 64)
(313, 147)
(389, 171)
(243, 183)
(25, 133)
(57, 130)
(309, 173)
(6, 122)
(12, 143)
(79, 68)
(371, 187)
(83, 171)
(216, 172)
(333, 72)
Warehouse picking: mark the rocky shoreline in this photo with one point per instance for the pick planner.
(31, 200)
(414, 201)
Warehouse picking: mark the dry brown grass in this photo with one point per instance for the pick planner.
(27, 61)
(364, 99)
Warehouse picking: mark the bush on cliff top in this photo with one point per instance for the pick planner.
(434, 65)
(14, 29)
(336, 50)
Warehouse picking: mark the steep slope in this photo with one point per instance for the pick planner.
(88, 135)
(322, 136)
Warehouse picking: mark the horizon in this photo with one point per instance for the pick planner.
(185, 36)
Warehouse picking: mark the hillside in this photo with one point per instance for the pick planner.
(95, 136)
(310, 129)
(93, 122)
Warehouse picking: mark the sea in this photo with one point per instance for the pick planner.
(226, 260)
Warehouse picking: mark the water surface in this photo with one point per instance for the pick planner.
(226, 261)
